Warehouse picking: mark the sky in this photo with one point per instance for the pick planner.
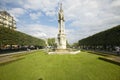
(83, 18)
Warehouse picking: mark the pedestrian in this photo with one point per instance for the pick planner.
(118, 50)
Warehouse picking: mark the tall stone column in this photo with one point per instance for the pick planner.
(61, 44)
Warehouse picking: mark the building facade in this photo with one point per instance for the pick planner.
(6, 20)
(61, 39)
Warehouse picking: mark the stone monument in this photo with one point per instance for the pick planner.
(61, 39)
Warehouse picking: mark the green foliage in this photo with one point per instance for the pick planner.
(108, 37)
(38, 65)
(67, 44)
(11, 37)
(75, 45)
(51, 42)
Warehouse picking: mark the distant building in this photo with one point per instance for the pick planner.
(6, 20)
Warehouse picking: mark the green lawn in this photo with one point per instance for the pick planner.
(40, 66)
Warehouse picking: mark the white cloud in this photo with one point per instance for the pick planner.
(50, 13)
(39, 30)
(44, 31)
(83, 17)
(17, 11)
(88, 16)
(35, 16)
(116, 3)
(46, 6)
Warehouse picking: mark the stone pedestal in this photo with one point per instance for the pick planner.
(64, 51)
(61, 50)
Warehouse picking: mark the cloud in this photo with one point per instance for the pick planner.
(116, 3)
(35, 16)
(39, 30)
(44, 31)
(17, 12)
(46, 6)
(83, 17)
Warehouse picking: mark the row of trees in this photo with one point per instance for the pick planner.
(11, 37)
(105, 40)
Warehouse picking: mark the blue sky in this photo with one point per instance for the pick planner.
(83, 18)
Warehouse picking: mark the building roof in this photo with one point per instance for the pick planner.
(4, 13)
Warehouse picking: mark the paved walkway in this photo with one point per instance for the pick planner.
(7, 54)
(107, 56)
(113, 58)
(8, 57)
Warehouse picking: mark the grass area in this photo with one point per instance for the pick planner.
(40, 66)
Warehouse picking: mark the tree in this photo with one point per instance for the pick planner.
(51, 42)
(11, 37)
(105, 39)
